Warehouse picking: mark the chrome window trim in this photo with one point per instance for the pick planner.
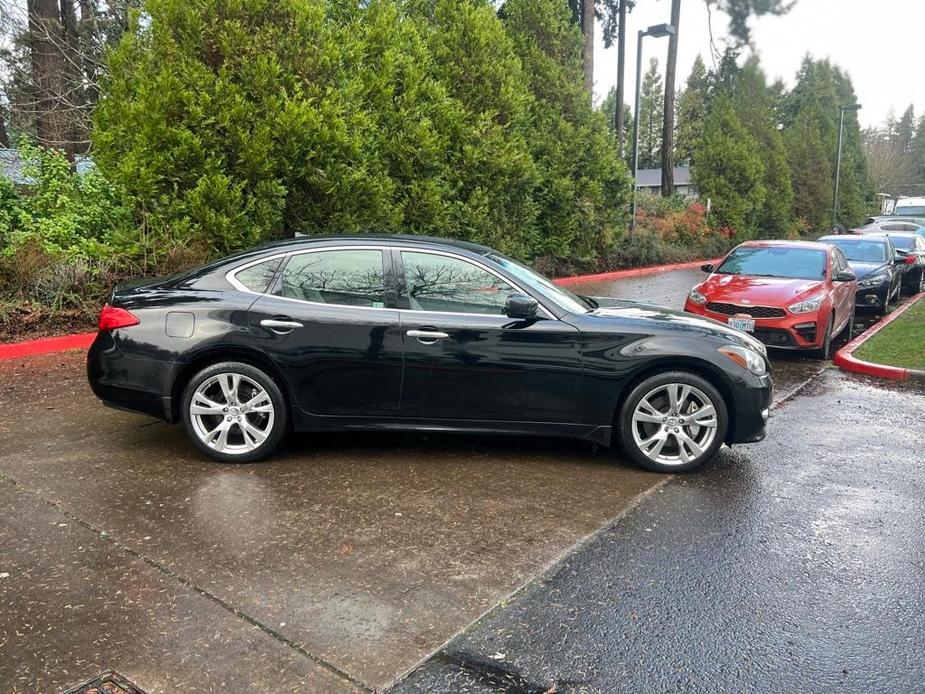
(286, 255)
(479, 265)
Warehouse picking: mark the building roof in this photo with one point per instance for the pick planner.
(652, 178)
(13, 167)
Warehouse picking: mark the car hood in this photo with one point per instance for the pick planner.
(669, 320)
(758, 291)
(862, 269)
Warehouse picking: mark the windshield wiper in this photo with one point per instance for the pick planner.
(588, 300)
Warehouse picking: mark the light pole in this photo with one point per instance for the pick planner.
(841, 127)
(656, 31)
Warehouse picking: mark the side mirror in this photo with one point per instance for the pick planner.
(845, 276)
(707, 267)
(520, 306)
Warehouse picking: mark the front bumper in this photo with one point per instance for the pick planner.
(752, 408)
(872, 297)
(792, 331)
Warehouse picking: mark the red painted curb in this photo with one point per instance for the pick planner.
(46, 345)
(845, 359)
(83, 340)
(631, 272)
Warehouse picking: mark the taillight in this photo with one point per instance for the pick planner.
(910, 260)
(112, 317)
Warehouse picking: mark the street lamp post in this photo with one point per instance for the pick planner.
(656, 31)
(841, 127)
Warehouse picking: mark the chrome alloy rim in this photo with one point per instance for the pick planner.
(231, 413)
(674, 424)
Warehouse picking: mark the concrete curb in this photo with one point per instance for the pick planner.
(845, 359)
(46, 345)
(631, 272)
(64, 343)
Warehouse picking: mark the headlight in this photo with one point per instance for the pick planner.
(746, 358)
(807, 306)
(697, 297)
(874, 281)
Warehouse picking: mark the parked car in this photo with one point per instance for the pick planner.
(888, 227)
(405, 333)
(789, 294)
(879, 272)
(909, 207)
(910, 249)
(886, 218)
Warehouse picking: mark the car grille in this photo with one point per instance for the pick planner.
(753, 311)
(774, 337)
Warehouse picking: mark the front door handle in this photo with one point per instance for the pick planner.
(427, 337)
(280, 327)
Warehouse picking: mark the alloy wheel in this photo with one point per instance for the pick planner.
(231, 413)
(674, 424)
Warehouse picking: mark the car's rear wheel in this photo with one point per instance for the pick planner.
(672, 422)
(234, 412)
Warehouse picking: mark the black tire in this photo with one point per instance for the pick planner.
(273, 420)
(825, 352)
(625, 424)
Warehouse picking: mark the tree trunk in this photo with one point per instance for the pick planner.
(621, 72)
(46, 36)
(668, 120)
(587, 29)
(4, 136)
(74, 97)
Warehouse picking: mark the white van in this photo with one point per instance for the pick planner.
(909, 207)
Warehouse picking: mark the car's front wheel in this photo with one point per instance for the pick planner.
(672, 422)
(234, 412)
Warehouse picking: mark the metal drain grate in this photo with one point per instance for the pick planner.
(107, 683)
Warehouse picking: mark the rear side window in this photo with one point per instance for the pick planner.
(452, 285)
(344, 277)
(257, 277)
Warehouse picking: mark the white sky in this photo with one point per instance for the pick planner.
(880, 44)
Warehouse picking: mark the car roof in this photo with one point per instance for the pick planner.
(388, 239)
(857, 238)
(776, 243)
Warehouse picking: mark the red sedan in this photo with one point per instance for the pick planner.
(789, 294)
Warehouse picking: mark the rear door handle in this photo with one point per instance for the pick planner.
(280, 326)
(427, 337)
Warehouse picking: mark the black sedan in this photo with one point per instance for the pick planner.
(407, 333)
(911, 251)
(878, 268)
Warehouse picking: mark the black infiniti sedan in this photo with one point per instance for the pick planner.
(410, 333)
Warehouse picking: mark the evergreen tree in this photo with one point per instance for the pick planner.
(608, 108)
(918, 154)
(728, 168)
(692, 107)
(905, 130)
(651, 106)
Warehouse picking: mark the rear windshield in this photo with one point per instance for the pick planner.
(788, 263)
(904, 242)
(911, 210)
(861, 250)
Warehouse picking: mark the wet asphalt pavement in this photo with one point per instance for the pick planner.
(346, 561)
(792, 565)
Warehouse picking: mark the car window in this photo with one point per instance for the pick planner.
(452, 285)
(775, 261)
(862, 250)
(899, 226)
(344, 277)
(257, 277)
(841, 263)
(904, 242)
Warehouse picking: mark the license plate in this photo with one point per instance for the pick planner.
(746, 324)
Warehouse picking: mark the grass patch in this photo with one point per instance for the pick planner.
(901, 343)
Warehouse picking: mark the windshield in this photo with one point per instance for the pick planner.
(911, 210)
(562, 296)
(861, 250)
(773, 261)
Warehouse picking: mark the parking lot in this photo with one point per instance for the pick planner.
(339, 565)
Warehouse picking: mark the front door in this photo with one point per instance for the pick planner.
(332, 327)
(466, 360)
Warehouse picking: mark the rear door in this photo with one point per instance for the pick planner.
(466, 360)
(331, 324)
